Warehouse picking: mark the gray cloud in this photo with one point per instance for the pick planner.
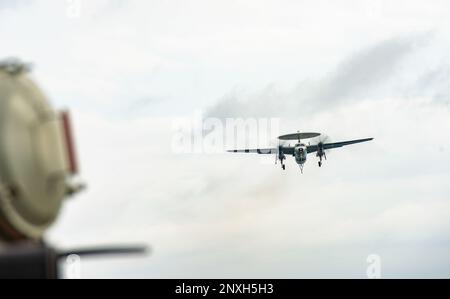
(435, 84)
(367, 73)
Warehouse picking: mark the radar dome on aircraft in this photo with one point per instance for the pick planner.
(37, 157)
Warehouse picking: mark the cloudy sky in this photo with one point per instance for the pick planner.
(350, 69)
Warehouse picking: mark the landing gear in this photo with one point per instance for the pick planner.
(281, 157)
(321, 156)
(321, 153)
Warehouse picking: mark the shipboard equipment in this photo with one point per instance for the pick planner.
(37, 156)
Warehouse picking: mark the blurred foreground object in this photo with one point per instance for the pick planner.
(37, 156)
(38, 165)
(30, 261)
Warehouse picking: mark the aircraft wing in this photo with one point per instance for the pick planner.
(327, 146)
(261, 151)
(287, 150)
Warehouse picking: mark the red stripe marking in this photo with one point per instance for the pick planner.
(73, 165)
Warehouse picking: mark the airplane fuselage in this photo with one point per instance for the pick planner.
(300, 154)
